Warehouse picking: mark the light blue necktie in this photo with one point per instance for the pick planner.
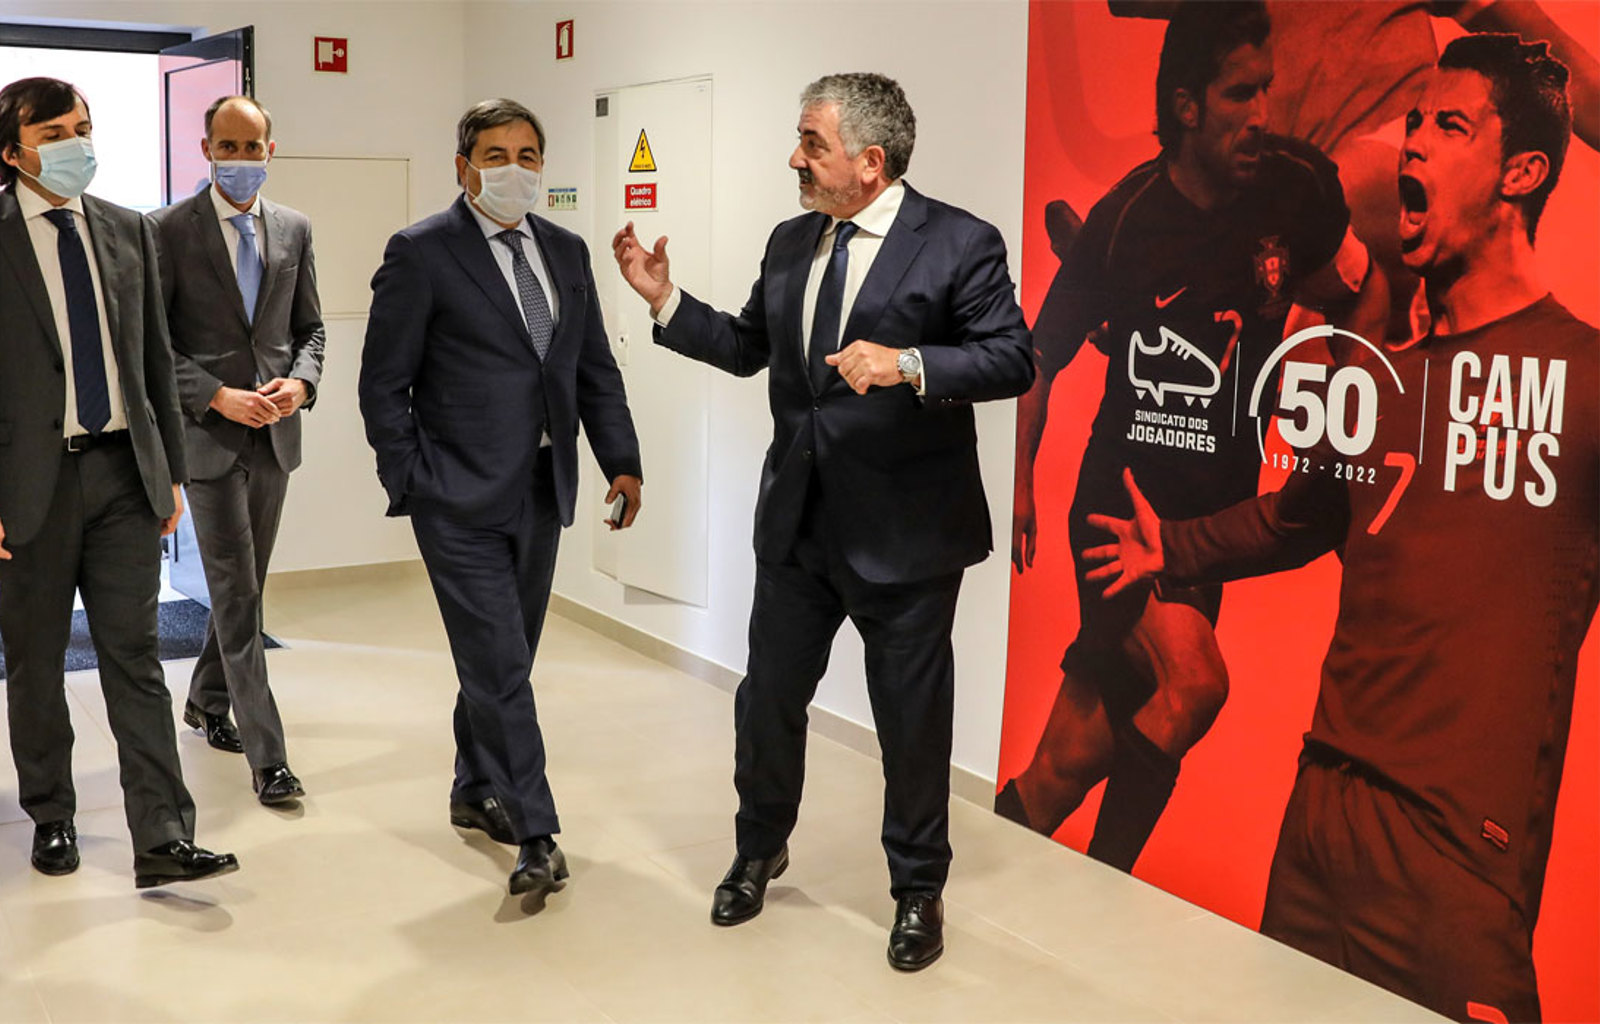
(248, 270)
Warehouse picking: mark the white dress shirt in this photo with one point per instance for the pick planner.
(44, 236)
(230, 234)
(502, 259)
(872, 224)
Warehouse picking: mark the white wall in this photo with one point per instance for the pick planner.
(401, 98)
(962, 65)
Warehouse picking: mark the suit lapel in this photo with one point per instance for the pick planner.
(203, 218)
(899, 248)
(566, 292)
(794, 263)
(102, 233)
(277, 249)
(468, 245)
(16, 252)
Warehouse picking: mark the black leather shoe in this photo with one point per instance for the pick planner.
(917, 938)
(55, 847)
(485, 815)
(743, 891)
(276, 784)
(180, 861)
(541, 867)
(220, 732)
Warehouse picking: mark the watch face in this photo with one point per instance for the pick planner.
(909, 364)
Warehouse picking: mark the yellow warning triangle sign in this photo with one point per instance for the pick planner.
(643, 160)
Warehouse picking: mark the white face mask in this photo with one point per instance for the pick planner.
(506, 193)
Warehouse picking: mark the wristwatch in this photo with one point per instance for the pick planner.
(909, 364)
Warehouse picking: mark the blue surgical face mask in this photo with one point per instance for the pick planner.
(239, 180)
(65, 167)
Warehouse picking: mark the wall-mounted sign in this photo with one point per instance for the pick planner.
(561, 199)
(643, 159)
(564, 32)
(329, 53)
(640, 196)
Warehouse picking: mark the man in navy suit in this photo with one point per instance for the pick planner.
(484, 352)
(881, 316)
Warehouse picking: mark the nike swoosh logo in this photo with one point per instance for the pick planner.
(1164, 303)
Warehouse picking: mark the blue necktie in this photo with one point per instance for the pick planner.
(830, 306)
(535, 308)
(83, 319)
(248, 263)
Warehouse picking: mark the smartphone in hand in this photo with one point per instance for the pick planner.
(619, 509)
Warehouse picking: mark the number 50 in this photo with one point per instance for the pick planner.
(1349, 383)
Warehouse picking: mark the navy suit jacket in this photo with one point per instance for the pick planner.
(453, 395)
(900, 488)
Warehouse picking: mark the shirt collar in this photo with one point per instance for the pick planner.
(33, 204)
(878, 216)
(490, 228)
(226, 210)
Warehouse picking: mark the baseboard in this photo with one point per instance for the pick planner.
(968, 785)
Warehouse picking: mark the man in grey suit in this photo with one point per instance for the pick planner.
(91, 457)
(241, 297)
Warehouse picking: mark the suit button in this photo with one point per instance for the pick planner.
(55, 424)
(808, 453)
(60, 368)
(816, 406)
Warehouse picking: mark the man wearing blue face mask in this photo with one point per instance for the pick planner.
(240, 290)
(91, 456)
(484, 352)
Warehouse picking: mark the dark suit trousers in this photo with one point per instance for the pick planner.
(493, 586)
(800, 603)
(102, 539)
(236, 518)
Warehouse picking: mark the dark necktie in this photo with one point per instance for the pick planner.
(83, 318)
(247, 267)
(830, 306)
(535, 309)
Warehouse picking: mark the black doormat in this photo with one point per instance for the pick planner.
(183, 634)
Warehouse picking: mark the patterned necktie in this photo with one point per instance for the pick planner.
(535, 308)
(83, 319)
(830, 306)
(247, 264)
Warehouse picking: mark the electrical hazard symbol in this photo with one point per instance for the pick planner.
(643, 159)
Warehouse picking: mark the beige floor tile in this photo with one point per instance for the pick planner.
(362, 903)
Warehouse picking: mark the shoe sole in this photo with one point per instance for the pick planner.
(539, 881)
(504, 838)
(55, 872)
(729, 922)
(279, 801)
(908, 966)
(151, 881)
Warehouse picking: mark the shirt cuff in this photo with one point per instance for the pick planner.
(669, 307)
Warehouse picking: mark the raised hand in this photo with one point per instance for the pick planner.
(645, 270)
(1136, 556)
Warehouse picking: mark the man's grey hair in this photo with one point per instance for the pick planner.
(873, 111)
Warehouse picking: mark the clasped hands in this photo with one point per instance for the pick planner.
(862, 364)
(267, 404)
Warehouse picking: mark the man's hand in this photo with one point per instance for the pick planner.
(646, 271)
(247, 407)
(1137, 554)
(287, 393)
(631, 487)
(864, 364)
(170, 524)
(4, 554)
(1024, 524)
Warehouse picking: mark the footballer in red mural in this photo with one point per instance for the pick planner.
(1460, 480)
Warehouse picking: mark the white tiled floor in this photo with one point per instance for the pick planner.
(364, 904)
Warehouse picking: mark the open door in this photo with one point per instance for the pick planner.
(193, 75)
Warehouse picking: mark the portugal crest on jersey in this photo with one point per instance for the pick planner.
(1272, 268)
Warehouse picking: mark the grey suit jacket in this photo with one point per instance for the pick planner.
(215, 344)
(33, 392)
